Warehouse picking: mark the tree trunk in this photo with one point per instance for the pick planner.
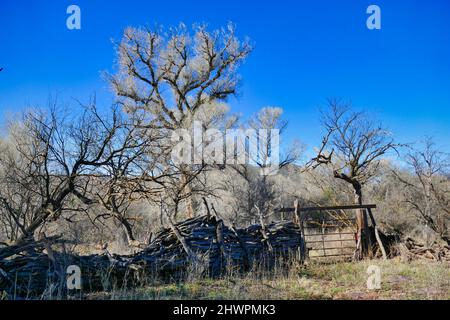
(360, 250)
(362, 223)
(28, 233)
(189, 203)
(128, 230)
(119, 216)
(363, 234)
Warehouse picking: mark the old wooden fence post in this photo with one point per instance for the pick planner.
(377, 235)
(299, 221)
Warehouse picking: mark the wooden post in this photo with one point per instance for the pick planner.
(363, 243)
(367, 241)
(299, 221)
(191, 255)
(296, 216)
(323, 238)
(221, 245)
(377, 235)
(359, 225)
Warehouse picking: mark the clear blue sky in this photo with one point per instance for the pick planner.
(306, 51)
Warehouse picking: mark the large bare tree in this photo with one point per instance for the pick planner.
(166, 78)
(353, 146)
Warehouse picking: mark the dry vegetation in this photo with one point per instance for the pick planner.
(107, 181)
(341, 280)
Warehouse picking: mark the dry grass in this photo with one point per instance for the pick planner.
(400, 280)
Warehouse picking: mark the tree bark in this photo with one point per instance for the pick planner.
(28, 233)
(189, 203)
(128, 229)
(362, 223)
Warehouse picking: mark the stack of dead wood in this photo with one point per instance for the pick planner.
(36, 269)
(209, 244)
(205, 244)
(413, 250)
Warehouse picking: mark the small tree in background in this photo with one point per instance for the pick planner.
(427, 192)
(257, 195)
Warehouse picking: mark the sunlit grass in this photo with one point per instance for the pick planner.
(345, 280)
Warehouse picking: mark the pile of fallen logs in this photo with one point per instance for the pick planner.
(412, 250)
(213, 246)
(204, 245)
(34, 268)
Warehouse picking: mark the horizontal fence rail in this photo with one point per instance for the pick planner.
(348, 207)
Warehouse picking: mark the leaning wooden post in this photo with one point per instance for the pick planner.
(377, 235)
(191, 255)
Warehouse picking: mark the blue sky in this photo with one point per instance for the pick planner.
(305, 52)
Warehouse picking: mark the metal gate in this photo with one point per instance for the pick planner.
(330, 238)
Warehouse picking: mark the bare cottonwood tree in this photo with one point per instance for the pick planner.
(167, 78)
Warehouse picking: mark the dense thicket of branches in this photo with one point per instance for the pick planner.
(48, 163)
